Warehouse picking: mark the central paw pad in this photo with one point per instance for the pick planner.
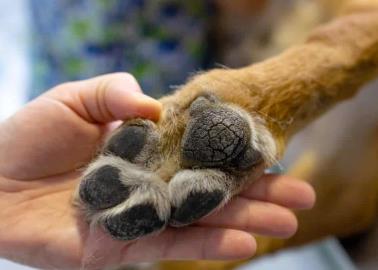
(214, 136)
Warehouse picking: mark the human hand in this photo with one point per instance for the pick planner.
(45, 143)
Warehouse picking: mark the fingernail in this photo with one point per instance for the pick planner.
(148, 106)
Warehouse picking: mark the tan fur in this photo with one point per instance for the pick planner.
(295, 87)
(289, 91)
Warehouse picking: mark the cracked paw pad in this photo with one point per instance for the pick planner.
(215, 135)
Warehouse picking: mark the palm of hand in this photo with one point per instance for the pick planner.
(38, 202)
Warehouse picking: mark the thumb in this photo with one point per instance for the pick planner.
(107, 98)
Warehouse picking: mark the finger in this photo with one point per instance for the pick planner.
(193, 243)
(282, 190)
(256, 217)
(107, 98)
(189, 243)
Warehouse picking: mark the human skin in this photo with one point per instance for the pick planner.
(44, 145)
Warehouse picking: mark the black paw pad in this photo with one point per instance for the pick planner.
(135, 222)
(195, 206)
(128, 142)
(102, 188)
(214, 137)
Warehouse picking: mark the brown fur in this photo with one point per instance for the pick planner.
(289, 91)
(297, 86)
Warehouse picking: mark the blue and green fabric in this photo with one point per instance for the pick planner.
(159, 41)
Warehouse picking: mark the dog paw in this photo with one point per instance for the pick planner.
(120, 192)
(217, 151)
(176, 171)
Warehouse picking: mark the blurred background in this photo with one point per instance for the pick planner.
(162, 42)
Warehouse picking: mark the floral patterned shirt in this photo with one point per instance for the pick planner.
(160, 42)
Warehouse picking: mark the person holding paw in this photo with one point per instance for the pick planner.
(45, 145)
